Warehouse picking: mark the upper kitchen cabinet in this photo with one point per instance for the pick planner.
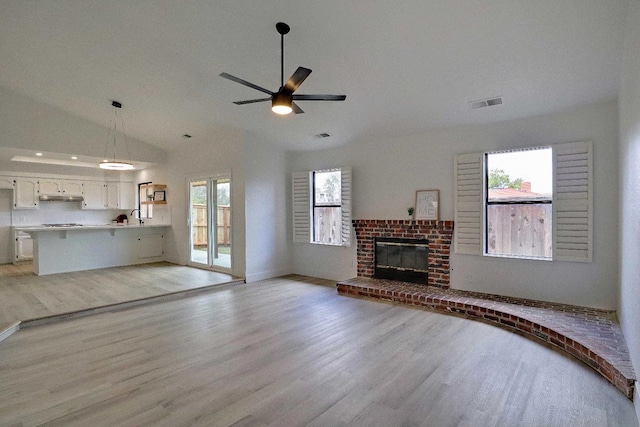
(110, 195)
(94, 194)
(113, 195)
(51, 187)
(25, 193)
(60, 187)
(6, 182)
(127, 195)
(70, 188)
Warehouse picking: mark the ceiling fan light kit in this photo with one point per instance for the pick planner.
(282, 101)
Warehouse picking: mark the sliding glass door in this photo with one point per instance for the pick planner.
(210, 223)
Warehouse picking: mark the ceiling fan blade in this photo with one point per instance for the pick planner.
(296, 79)
(319, 97)
(251, 101)
(296, 108)
(244, 82)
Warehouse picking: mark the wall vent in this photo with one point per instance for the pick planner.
(486, 102)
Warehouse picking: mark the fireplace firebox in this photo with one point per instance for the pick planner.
(438, 234)
(405, 260)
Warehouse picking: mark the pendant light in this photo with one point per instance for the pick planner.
(116, 164)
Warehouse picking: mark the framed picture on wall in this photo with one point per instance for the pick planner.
(427, 204)
(158, 196)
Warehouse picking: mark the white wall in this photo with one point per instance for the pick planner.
(266, 206)
(386, 174)
(224, 154)
(629, 303)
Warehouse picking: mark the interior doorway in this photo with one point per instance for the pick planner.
(210, 223)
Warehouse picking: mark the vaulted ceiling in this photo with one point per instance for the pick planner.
(406, 66)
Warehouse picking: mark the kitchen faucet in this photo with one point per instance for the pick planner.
(139, 215)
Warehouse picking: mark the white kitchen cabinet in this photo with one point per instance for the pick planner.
(60, 187)
(25, 193)
(24, 246)
(94, 194)
(150, 246)
(112, 195)
(50, 187)
(70, 188)
(127, 195)
(6, 182)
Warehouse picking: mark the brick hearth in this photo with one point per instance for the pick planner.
(437, 233)
(592, 336)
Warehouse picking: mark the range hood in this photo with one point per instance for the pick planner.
(60, 198)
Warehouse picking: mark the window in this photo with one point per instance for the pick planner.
(145, 194)
(327, 207)
(322, 206)
(518, 203)
(565, 207)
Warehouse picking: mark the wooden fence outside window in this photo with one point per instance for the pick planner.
(200, 226)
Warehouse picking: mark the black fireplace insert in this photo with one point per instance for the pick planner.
(405, 260)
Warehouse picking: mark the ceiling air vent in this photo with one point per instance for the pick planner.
(486, 102)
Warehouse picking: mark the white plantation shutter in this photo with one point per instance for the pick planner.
(301, 207)
(468, 199)
(573, 202)
(345, 179)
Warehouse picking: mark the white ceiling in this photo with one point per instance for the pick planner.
(406, 66)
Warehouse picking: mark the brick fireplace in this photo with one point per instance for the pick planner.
(437, 233)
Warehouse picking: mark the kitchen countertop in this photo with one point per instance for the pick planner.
(87, 227)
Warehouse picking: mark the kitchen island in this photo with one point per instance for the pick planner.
(87, 247)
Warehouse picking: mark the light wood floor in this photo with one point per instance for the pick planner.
(288, 352)
(25, 296)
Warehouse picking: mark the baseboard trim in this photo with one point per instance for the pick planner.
(256, 277)
(9, 330)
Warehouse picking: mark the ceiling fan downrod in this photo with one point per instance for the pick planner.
(282, 29)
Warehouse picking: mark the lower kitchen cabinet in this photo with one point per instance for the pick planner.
(150, 246)
(23, 246)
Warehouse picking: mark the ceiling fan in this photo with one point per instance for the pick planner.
(282, 100)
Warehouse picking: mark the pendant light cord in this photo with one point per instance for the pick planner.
(114, 124)
(111, 125)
